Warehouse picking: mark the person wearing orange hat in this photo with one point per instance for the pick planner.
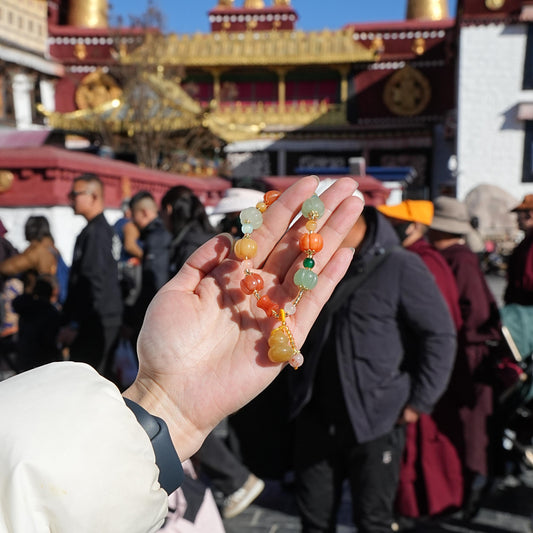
(440, 480)
(520, 267)
(411, 220)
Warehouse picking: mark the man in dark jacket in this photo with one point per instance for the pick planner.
(156, 247)
(93, 308)
(381, 355)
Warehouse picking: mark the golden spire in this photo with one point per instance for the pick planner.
(87, 13)
(225, 3)
(427, 9)
(283, 3)
(254, 4)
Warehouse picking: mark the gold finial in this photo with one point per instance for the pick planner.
(88, 13)
(419, 46)
(427, 9)
(225, 3)
(282, 3)
(254, 4)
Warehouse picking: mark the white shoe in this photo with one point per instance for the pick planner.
(238, 501)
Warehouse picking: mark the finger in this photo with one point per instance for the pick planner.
(339, 217)
(279, 215)
(339, 224)
(201, 263)
(313, 301)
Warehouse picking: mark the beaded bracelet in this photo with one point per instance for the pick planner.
(282, 347)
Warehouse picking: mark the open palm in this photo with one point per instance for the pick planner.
(203, 345)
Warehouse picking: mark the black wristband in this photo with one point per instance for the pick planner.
(169, 464)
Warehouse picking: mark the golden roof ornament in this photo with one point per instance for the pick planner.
(225, 3)
(88, 13)
(282, 3)
(254, 4)
(427, 9)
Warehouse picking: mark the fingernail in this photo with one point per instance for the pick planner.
(353, 250)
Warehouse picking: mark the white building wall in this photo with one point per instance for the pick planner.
(490, 137)
(64, 224)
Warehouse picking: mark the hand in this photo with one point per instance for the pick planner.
(409, 416)
(203, 345)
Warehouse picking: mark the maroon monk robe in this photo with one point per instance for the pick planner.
(481, 323)
(431, 478)
(520, 274)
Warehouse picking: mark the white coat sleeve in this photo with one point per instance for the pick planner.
(73, 456)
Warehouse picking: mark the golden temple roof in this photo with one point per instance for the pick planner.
(265, 48)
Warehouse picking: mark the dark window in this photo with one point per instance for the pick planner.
(528, 65)
(527, 173)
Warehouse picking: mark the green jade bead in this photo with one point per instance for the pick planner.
(252, 215)
(306, 279)
(309, 263)
(313, 208)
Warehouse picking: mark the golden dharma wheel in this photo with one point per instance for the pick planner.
(427, 9)
(88, 13)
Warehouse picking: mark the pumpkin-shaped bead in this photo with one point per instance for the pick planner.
(313, 207)
(271, 196)
(267, 305)
(251, 283)
(311, 241)
(306, 279)
(245, 248)
(251, 215)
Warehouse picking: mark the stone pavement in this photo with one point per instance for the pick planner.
(507, 509)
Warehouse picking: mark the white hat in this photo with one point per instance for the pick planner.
(236, 199)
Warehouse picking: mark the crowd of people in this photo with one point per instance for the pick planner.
(398, 387)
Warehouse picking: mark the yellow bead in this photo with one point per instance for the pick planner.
(280, 353)
(311, 225)
(261, 206)
(245, 248)
(278, 337)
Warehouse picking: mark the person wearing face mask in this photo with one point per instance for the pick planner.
(379, 356)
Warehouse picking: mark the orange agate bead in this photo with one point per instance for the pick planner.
(271, 197)
(268, 306)
(311, 241)
(251, 283)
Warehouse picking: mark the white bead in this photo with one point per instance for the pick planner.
(297, 360)
(247, 264)
(290, 309)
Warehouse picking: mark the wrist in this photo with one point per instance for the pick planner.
(186, 437)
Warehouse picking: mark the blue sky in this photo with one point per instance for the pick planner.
(189, 16)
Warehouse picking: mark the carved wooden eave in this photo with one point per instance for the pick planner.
(269, 48)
